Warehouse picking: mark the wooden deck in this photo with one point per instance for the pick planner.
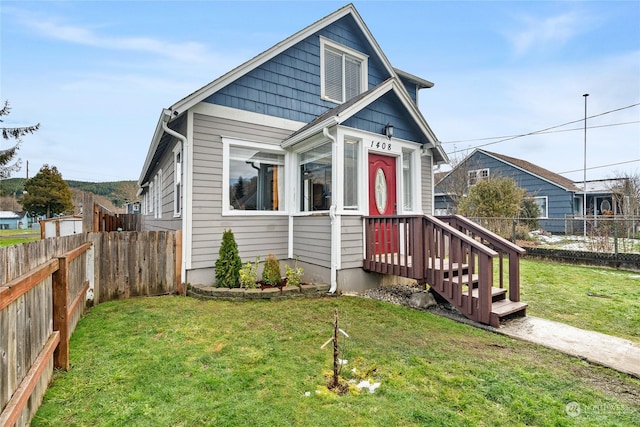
(455, 257)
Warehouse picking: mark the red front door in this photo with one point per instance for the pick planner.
(382, 200)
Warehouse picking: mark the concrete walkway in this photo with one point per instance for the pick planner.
(612, 352)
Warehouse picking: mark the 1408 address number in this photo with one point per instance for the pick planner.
(381, 145)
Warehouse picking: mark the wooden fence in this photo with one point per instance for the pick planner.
(43, 288)
(105, 220)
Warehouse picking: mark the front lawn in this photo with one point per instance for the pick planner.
(174, 361)
(597, 299)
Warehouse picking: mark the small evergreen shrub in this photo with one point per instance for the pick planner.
(249, 274)
(271, 272)
(294, 275)
(228, 264)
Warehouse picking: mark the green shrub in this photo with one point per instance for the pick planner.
(271, 272)
(249, 274)
(228, 264)
(294, 275)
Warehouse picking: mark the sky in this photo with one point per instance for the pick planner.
(97, 74)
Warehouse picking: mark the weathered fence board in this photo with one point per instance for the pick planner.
(43, 288)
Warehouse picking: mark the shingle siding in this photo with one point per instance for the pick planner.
(288, 86)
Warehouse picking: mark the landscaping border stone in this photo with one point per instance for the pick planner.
(241, 294)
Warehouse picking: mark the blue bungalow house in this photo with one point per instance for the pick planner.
(557, 197)
(298, 151)
(12, 220)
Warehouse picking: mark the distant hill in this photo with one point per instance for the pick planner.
(117, 192)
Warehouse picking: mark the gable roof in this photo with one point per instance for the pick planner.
(177, 109)
(204, 92)
(342, 112)
(536, 170)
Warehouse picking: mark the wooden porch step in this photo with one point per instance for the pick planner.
(506, 308)
(464, 279)
(497, 294)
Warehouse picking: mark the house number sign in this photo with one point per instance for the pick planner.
(382, 146)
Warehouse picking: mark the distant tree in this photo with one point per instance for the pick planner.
(625, 189)
(47, 193)
(455, 183)
(15, 134)
(498, 197)
(529, 213)
(125, 192)
(240, 189)
(494, 202)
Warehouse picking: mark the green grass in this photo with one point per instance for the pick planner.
(15, 237)
(172, 361)
(598, 299)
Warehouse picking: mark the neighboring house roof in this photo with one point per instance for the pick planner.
(204, 92)
(13, 214)
(601, 185)
(540, 172)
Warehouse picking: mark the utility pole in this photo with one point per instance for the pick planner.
(584, 178)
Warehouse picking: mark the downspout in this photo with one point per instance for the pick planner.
(335, 230)
(185, 144)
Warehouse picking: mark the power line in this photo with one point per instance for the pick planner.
(543, 132)
(545, 129)
(600, 167)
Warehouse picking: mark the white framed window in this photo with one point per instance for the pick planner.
(254, 177)
(351, 173)
(407, 180)
(152, 196)
(158, 194)
(343, 71)
(478, 175)
(543, 205)
(177, 181)
(315, 167)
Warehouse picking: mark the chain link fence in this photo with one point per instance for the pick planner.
(602, 234)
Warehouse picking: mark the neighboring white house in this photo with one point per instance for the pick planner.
(291, 150)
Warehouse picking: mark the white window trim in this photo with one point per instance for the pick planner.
(152, 199)
(226, 145)
(477, 172)
(543, 215)
(177, 181)
(158, 195)
(336, 176)
(364, 66)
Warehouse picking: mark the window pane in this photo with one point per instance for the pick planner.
(351, 148)
(407, 181)
(542, 205)
(315, 174)
(333, 75)
(256, 179)
(351, 78)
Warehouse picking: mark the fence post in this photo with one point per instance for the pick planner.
(60, 321)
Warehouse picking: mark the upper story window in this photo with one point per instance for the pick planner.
(344, 71)
(478, 175)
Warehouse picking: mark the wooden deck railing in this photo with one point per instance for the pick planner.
(429, 250)
(504, 247)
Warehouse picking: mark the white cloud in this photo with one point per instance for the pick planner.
(550, 32)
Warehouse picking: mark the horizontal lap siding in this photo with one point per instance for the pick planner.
(312, 239)
(167, 221)
(426, 184)
(352, 242)
(255, 235)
